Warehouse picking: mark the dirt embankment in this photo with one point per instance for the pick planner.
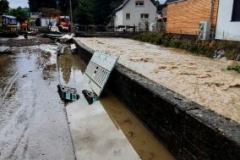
(19, 42)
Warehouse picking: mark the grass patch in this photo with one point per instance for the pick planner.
(235, 68)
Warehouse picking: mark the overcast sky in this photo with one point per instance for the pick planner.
(24, 3)
(162, 1)
(17, 3)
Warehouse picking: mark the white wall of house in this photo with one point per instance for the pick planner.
(118, 20)
(135, 14)
(226, 29)
(45, 22)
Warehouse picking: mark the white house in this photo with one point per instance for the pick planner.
(139, 13)
(228, 23)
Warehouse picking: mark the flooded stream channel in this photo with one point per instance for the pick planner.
(28, 82)
(71, 67)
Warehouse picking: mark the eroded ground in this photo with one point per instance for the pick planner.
(200, 79)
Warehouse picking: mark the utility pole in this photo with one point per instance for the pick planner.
(57, 3)
(71, 15)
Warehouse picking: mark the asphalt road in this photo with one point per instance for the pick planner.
(33, 122)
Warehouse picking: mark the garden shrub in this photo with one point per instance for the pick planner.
(206, 48)
(235, 68)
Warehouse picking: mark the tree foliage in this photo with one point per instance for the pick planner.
(94, 11)
(48, 12)
(4, 6)
(63, 5)
(84, 11)
(21, 14)
(37, 5)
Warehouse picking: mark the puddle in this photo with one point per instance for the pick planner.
(70, 67)
(143, 141)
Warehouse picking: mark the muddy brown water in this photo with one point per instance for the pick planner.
(68, 70)
(142, 140)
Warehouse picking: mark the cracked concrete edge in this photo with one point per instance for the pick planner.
(74, 151)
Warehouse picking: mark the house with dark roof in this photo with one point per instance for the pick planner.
(192, 17)
(140, 14)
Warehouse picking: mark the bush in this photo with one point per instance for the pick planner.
(206, 48)
(151, 37)
(235, 68)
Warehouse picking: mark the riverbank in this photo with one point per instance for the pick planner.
(153, 80)
(20, 41)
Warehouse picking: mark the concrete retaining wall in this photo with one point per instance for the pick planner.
(187, 129)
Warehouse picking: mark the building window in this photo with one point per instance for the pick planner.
(128, 16)
(139, 3)
(144, 16)
(236, 11)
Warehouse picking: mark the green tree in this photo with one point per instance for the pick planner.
(4, 6)
(37, 5)
(94, 11)
(48, 12)
(83, 11)
(64, 6)
(21, 14)
(102, 11)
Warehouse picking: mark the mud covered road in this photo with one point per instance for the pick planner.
(33, 123)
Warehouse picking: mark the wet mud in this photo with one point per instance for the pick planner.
(21, 41)
(33, 123)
